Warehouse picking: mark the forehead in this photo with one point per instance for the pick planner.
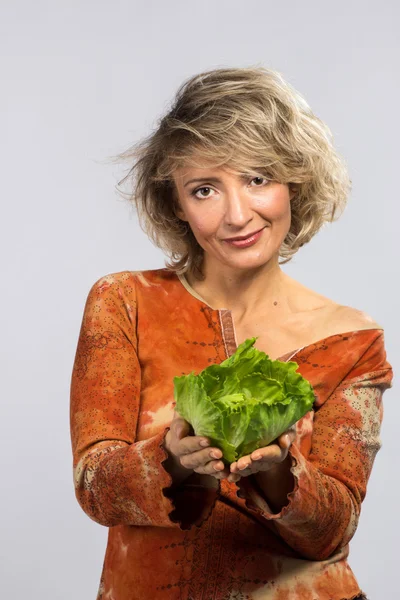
(184, 172)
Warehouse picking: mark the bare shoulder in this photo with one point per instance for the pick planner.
(352, 318)
(329, 317)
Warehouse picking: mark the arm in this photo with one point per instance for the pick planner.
(320, 514)
(118, 480)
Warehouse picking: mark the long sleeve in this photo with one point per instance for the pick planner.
(117, 479)
(330, 484)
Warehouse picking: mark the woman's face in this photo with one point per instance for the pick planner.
(222, 204)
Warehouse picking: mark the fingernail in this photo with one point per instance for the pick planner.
(256, 457)
(204, 443)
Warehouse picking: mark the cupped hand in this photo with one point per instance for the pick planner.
(191, 453)
(263, 459)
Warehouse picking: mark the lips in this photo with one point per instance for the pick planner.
(242, 237)
(247, 241)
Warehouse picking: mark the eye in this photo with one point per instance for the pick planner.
(201, 189)
(194, 193)
(260, 177)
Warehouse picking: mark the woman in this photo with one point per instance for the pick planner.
(239, 173)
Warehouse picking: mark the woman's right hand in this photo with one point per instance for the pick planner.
(191, 454)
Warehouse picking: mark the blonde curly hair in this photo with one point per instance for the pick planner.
(248, 119)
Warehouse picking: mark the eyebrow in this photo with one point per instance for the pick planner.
(211, 179)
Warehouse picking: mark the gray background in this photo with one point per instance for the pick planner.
(83, 80)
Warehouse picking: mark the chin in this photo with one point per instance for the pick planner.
(248, 262)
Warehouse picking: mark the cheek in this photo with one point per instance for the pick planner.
(205, 223)
(275, 206)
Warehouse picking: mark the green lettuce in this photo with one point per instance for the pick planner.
(245, 402)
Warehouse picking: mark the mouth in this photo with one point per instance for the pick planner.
(243, 237)
(245, 241)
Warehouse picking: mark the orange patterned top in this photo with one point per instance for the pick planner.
(192, 542)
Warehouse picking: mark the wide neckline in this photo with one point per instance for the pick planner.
(232, 342)
(193, 292)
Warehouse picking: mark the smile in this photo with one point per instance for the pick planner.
(249, 241)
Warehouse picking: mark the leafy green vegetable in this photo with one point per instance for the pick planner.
(245, 402)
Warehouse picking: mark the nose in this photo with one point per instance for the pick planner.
(238, 211)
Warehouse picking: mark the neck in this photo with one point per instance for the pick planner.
(243, 292)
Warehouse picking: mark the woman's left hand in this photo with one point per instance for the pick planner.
(263, 459)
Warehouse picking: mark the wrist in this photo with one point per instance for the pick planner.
(277, 483)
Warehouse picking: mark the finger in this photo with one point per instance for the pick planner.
(180, 427)
(238, 467)
(268, 455)
(178, 418)
(192, 443)
(215, 468)
(261, 459)
(245, 473)
(234, 477)
(221, 473)
(292, 431)
(244, 463)
(200, 458)
(286, 439)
